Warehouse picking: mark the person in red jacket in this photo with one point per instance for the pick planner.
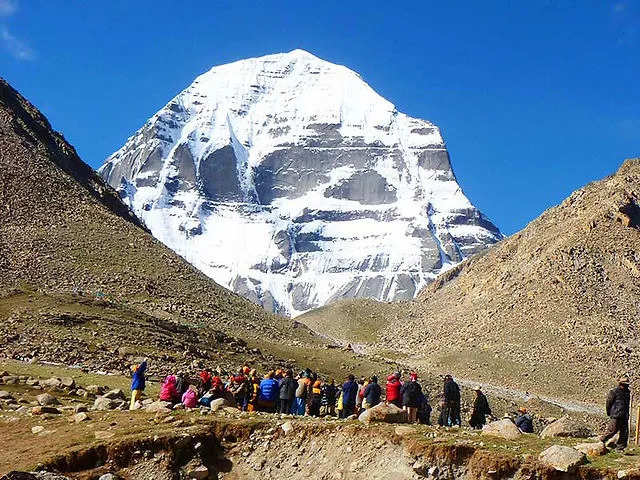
(393, 390)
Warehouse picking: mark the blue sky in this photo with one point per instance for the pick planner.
(535, 99)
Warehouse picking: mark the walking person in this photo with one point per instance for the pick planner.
(452, 400)
(411, 392)
(480, 410)
(349, 394)
(138, 383)
(618, 404)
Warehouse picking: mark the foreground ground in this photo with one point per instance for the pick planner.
(232, 444)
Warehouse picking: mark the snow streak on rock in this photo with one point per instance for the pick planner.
(289, 180)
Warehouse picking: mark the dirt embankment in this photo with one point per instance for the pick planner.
(307, 450)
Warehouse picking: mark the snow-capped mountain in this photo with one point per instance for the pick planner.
(289, 180)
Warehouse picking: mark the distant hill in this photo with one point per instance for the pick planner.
(552, 309)
(82, 282)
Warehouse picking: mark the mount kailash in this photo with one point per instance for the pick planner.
(289, 180)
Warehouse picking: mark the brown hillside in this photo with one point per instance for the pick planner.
(81, 280)
(553, 309)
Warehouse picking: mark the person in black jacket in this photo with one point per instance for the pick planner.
(452, 400)
(618, 403)
(372, 392)
(480, 410)
(411, 392)
(287, 392)
(329, 394)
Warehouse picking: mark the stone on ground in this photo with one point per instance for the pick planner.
(591, 449)
(47, 399)
(80, 417)
(103, 403)
(109, 476)
(115, 394)
(4, 395)
(103, 435)
(403, 430)
(287, 427)
(37, 429)
(383, 413)
(42, 410)
(67, 382)
(563, 459)
(198, 473)
(159, 406)
(504, 428)
(567, 427)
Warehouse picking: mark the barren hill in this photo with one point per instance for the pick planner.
(82, 282)
(553, 309)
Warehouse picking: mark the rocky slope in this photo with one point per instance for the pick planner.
(289, 180)
(553, 309)
(80, 279)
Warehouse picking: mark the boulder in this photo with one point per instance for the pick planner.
(115, 394)
(19, 476)
(567, 427)
(383, 413)
(504, 428)
(218, 403)
(37, 429)
(591, 449)
(109, 476)
(53, 382)
(159, 406)
(47, 399)
(68, 382)
(42, 410)
(103, 403)
(81, 417)
(94, 389)
(4, 395)
(10, 379)
(563, 459)
(80, 408)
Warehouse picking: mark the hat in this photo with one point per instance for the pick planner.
(522, 410)
(624, 380)
(413, 376)
(478, 388)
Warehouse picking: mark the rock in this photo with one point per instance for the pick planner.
(231, 410)
(37, 429)
(4, 395)
(563, 459)
(420, 468)
(42, 410)
(198, 473)
(218, 403)
(403, 431)
(68, 382)
(103, 434)
(52, 382)
(287, 427)
(109, 476)
(10, 379)
(567, 427)
(94, 389)
(591, 449)
(81, 417)
(103, 403)
(19, 476)
(383, 413)
(159, 406)
(80, 408)
(504, 428)
(47, 399)
(115, 394)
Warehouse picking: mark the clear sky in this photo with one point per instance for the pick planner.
(534, 98)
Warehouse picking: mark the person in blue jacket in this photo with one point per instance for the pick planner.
(349, 393)
(269, 392)
(137, 382)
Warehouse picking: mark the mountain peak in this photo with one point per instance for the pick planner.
(289, 180)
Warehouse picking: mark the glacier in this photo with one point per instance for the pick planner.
(290, 181)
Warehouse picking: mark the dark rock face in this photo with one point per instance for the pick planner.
(290, 181)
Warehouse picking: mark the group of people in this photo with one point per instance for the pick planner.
(279, 391)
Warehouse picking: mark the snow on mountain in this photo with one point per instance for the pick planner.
(289, 180)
